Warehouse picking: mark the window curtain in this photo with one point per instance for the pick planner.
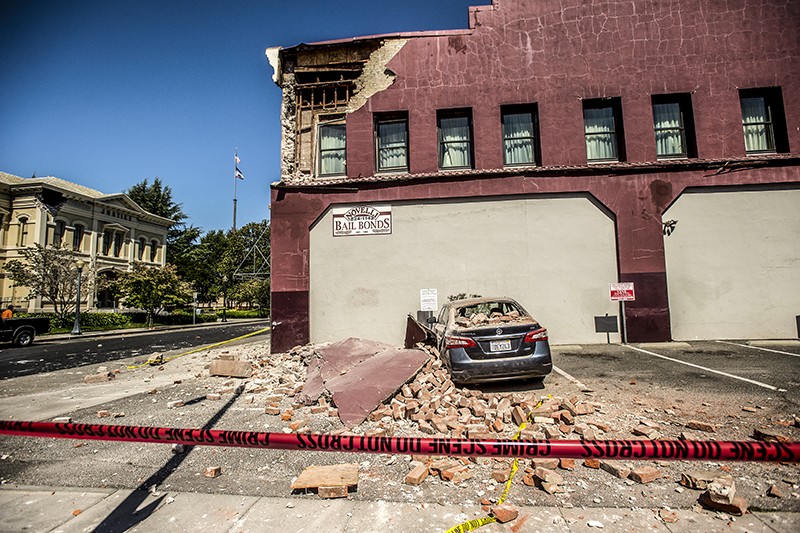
(755, 120)
(332, 144)
(454, 145)
(518, 138)
(392, 152)
(601, 139)
(667, 123)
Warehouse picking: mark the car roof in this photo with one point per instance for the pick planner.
(476, 301)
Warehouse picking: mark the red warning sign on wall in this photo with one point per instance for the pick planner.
(621, 292)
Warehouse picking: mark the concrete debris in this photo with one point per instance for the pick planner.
(722, 490)
(417, 474)
(63, 420)
(617, 470)
(174, 404)
(776, 492)
(103, 414)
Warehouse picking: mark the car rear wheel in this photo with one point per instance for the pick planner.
(23, 338)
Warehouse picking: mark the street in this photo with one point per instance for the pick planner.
(48, 354)
(629, 385)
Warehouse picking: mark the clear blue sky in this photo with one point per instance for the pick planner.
(106, 93)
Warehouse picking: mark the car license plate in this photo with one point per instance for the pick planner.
(500, 346)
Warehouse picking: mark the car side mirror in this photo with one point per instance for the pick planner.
(431, 320)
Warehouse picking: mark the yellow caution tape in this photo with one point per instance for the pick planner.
(472, 525)
(480, 522)
(159, 359)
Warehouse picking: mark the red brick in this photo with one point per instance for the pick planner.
(701, 426)
(417, 475)
(212, 471)
(333, 492)
(233, 369)
(644, 474)
(591, 463)
(504, 513)
(620, 471)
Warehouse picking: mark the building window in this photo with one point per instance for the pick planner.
(763, 120)
(602, 123)
(22, 238)
(673, 124)
(519, 135)
(107, 239)
(455, 139)
(58, 233)
(117, 244)
(77, 238)
(153, 250)
(391, 143)
(142, 245)
(332, 149)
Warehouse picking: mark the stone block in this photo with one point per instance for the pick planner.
(417, 475)
(505, 513)
(620, 471)
(212, 471)
(233, 369)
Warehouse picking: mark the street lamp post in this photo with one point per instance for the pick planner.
(224, 297)
(76, 329)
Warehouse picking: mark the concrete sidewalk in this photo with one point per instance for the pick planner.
(59, 509)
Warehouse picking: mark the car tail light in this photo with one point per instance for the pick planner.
(536, 335)
(459, 342)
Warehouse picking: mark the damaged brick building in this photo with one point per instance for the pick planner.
(549, 149)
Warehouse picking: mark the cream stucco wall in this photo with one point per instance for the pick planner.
(733, 264)
(554, 255)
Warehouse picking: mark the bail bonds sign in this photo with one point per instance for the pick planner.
(362, 220)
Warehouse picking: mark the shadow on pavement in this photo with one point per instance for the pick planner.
(127, 514)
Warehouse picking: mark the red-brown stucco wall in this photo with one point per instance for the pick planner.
(555, 53)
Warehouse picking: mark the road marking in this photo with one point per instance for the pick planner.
(572, 379)
(759, 348)
(754, 382)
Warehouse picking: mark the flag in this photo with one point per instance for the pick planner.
(237, 173)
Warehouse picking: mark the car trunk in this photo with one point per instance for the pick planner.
(499, 340)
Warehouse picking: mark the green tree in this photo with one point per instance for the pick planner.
(247, 257)
(51, 272)
(253, 291)
(152, 289)
(181, 238)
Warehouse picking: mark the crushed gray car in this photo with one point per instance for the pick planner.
(491, 339)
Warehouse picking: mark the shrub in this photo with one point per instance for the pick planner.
(248, 313)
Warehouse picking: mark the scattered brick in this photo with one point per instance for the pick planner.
(776, 492)
(417, 475)
(545, 463)
(591, 463)
(332, 492)
(737, 508)
(501, 474)
(229, 368)
(768, 435)
(272, 410)
(644, 474)
(174, 404)
(212, 471)
(103, 414)
(699, 479)
(505, 513)
(722, 490)
(701, 426)
(669, 517)
(619, 471)
(297, 424)
(545, 475)
(213, 396)
(566, 464)
(287, 415)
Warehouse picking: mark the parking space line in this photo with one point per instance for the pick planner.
(759, 348)
(570, 378)
(706, 369)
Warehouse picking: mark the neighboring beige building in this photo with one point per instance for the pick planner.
(109, 231)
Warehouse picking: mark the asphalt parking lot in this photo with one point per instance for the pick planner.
(757, 369)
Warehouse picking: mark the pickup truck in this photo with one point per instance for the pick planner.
(21, 331)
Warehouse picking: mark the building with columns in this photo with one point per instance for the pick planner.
(108, 231)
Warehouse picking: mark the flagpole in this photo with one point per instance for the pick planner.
(235, 179)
